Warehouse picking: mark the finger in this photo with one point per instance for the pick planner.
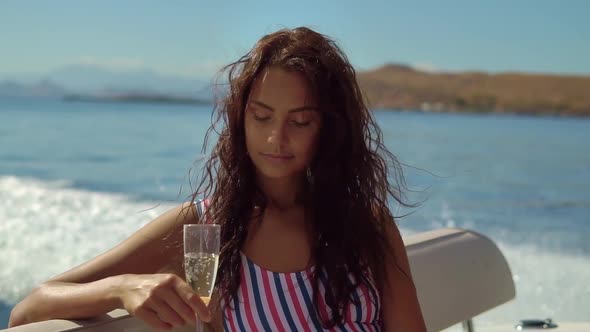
(150, 317)
(180, 307)
(166, 313)
(193, 300)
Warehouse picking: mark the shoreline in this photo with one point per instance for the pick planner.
(136, 98)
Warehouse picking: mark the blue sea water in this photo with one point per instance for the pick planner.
(76, 178)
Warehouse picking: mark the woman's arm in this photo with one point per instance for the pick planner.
(66, 300)
(123, 277)
(401, 310)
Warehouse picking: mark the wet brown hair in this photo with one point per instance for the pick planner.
(352, 176)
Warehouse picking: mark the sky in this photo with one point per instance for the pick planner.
(195, 38)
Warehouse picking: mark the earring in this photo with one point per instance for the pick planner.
(308, 175)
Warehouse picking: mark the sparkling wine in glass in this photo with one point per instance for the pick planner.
(201, 256)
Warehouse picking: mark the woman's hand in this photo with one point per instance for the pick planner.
(163, 301)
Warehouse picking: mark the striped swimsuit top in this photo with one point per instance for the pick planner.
(273, 301)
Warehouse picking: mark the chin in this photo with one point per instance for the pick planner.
(275, 174)
(278, 173)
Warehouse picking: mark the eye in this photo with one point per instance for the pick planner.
(301, 124)
(260, 118)
(260, 115)
(302, 119)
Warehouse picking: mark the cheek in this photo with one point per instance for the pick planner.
(248, 132)
(307, 144)
(252, 134)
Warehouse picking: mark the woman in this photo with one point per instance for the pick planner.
(299, 183)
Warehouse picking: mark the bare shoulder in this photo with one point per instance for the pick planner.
(401, 309)
(396, 244)
(148, 250)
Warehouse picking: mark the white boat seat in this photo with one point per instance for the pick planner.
(459, 274)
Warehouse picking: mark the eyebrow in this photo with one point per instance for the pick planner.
(294, 110)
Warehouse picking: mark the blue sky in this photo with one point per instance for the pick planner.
(194, 38)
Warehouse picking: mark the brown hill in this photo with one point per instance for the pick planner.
(402, 87)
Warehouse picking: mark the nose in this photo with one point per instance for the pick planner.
(277, 136)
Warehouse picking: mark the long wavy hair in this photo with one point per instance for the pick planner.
(351, 178)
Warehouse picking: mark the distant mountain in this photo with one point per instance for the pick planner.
(43, 88)
(401, 87)
(137, 98)
(96, 81)
(88, 79)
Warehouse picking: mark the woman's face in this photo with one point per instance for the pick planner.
(282, 124)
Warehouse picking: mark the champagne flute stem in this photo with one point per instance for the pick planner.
(200, 327)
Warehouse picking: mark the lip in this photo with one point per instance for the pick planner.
(277, 156)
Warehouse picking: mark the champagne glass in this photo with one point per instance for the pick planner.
(201, 256)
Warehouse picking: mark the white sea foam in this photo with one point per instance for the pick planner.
(47, 228)
(548, 285)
